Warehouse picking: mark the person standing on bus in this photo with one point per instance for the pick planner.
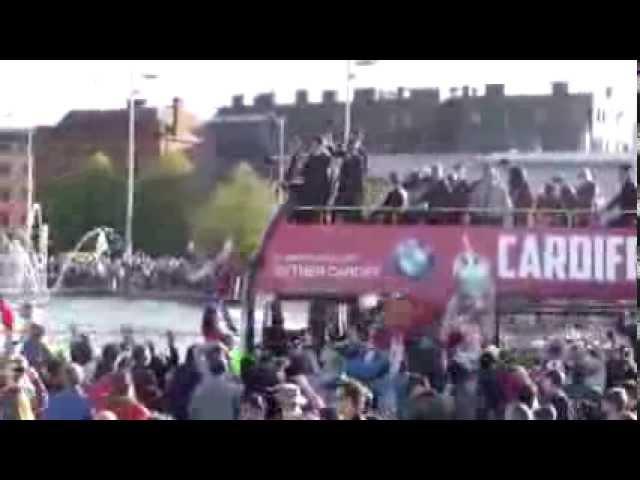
(460, 190)
(396, 198)
(438, 196)
(351, 179)
(626, 200)
(586, 194)
(315, 174)
(489, 194)
(521, 196)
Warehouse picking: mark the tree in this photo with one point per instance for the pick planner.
(171, 164)
(76, 203)
(162, 201)
(239, 209)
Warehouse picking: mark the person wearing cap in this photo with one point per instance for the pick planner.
(626, 200)
(71, 403)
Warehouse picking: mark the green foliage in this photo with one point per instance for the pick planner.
(79, 202)
(239, 208)
(172, 164)
(162, 202)
(374, 190)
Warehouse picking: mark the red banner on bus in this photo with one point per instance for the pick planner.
(432, 262)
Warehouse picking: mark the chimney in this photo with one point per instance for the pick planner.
(329, 96)
(560, 89)
(302, 97)
(364, 95)
(494, 90)
(465, 91)
(140, 103)
(264, 101)
(453, 91)
(425, 94)
(609, 92)
(401, 93)
(237, 102)
(176, 111)
(474, 92)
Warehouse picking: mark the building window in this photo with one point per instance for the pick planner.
(540, 116)
(407, 120)
(393, 121)
(476, 118)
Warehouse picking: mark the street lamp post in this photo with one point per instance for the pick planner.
(281, 122)
(347, 101)
(130, 172)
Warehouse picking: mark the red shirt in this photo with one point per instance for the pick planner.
(127, 409)
(99, 392)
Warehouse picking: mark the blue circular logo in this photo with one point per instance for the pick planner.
(413, 259)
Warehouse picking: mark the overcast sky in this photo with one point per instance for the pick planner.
(41, 92)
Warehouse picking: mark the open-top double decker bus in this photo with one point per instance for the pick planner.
(546, 278)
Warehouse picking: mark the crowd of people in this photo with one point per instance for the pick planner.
(145, 273)
(330, 175)
(356, 372)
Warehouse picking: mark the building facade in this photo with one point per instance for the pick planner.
(64, 148)
(14, 177)
(417, 121)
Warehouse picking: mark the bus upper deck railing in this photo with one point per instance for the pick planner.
(524, 217)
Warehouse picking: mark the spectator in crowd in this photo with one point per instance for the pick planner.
(122, 399)
(144, 379)
(520, 195)
(552, 387)
(626, 200)
(217, 397)
(631, 387)
(586, 195)
(291, 403)
(14, 400)
(519, 412)
(35, 349)
(614, 404)
(252, 407)
(489, 194)
(181, 386)
(352, 401)
(546, 412)
(72, 402)
(105, 415)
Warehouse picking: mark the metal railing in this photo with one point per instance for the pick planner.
(468, 216)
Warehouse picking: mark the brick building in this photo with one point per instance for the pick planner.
(64, 148)
(14, 180)
(417, 121)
